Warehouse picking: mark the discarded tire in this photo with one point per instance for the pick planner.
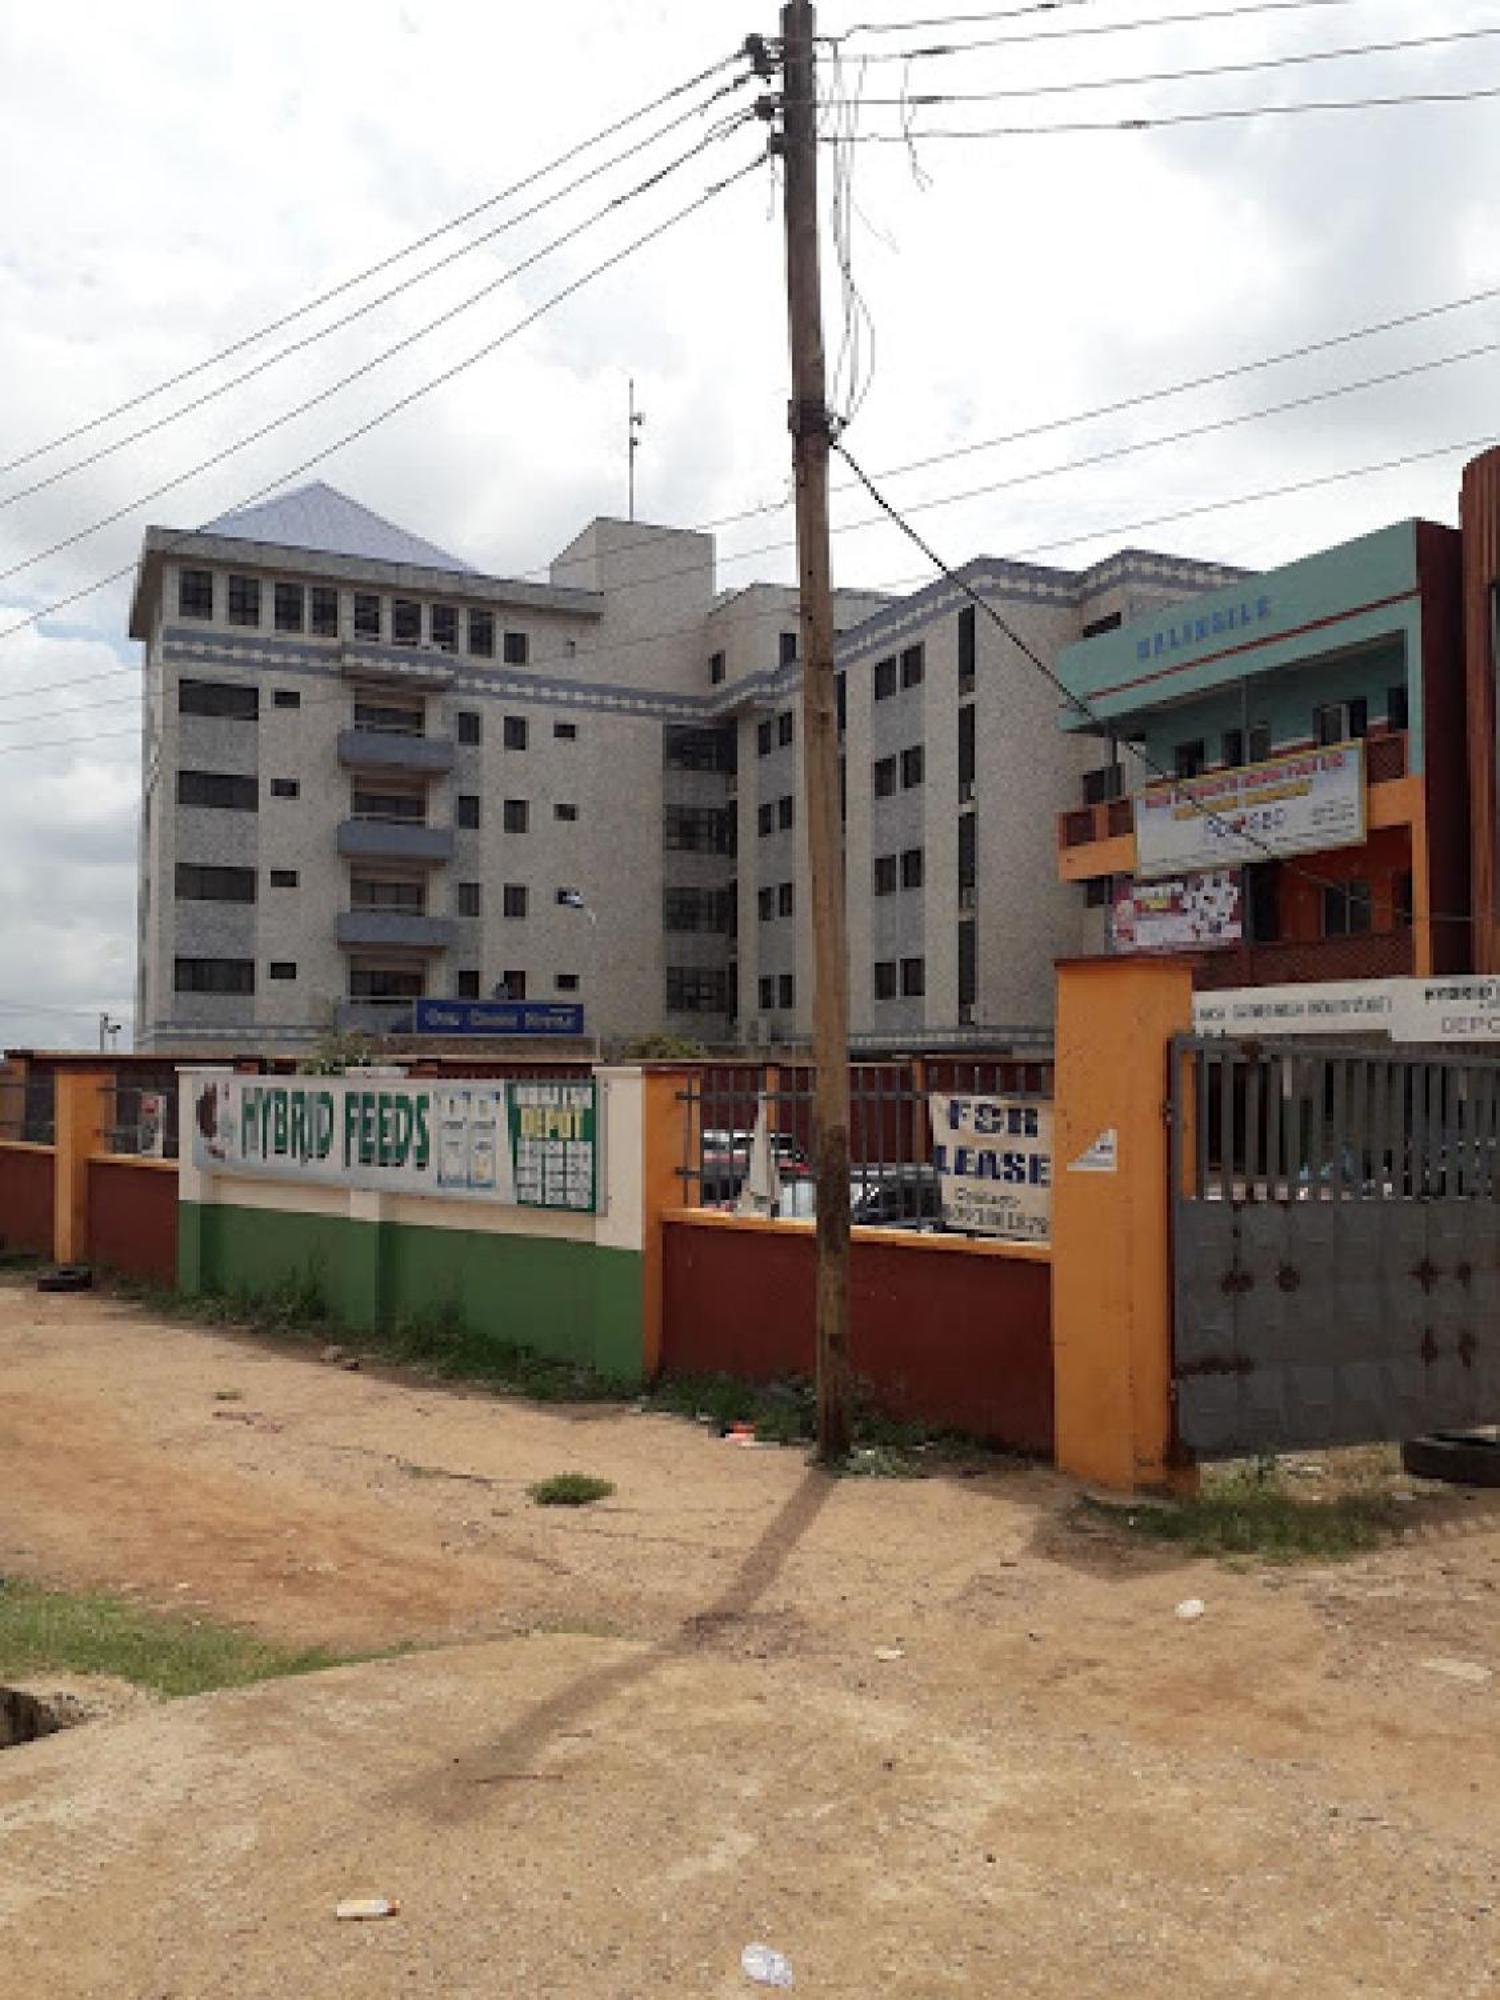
(1463, 1458)
(66, 1278)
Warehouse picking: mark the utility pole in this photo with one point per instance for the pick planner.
(797, 143)
(637, 419)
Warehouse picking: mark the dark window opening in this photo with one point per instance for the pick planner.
(195, 593)
(1188, 759)
(325, 612)
(244, 600)
(215, 975)
(220, 698)
(913, 666)
(517, 649)
(406, 621)
(1346, 909)
(885, 678)
(482, 634)
(967, 649)
(445, 627)
(289, 604)
(367, 620)
(516, 816)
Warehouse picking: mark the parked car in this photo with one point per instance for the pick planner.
(892, 1197)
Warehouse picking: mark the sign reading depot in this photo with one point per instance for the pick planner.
(531, 1144)
(1297, 804)
(993, 1160)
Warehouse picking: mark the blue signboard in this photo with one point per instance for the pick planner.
(496, 1017)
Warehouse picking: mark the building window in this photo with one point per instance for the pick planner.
(968, 966)
(482, 634)
(1346, 909)
(385, 982)
(516, 816)
(1188, 759)
(693, 910)
(913, 766)
(697, 830)
(765, 903)
(197, 884)
(1232, 749)
(1259, 744)
(367, 621)
(244, 600)
(393, 808)
(715, 669)
(565, 982)
(968, 860)
(784, 895)
(784, 728)
(1098, 892)
(884, 776)
(517, 650)
(785, 991)
(565, 732)
(468, 899)
(1340, 721)
(885, 678)
(913, 978)
(324, 604)
(698, 749)
(215, 975)
(885, 979)
(967, 637)
(470, 730)
(468, 984)
(693, 989)
(468, 811)
(885, 874)
(513, 985)
(565, 810)
(966, 753)
(283, 968)
(913, 666)
(217, 788)
(765, 818)
(514, 732)
(444, 621)
(911, 868)
(841, 698)
(388, 718)
(513, 899)
(221, 698)
(370, 892)
(285, 788)
(788, 650)
(286, 698)
(288, 607)
(283, 878)
(195, 593)
(767, 994)
(1396, 707)
(784, 811)
(1401, 900)
(406, 621)
(763, 739)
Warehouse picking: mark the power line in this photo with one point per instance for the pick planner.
(1067, 33)
(376, 361)
(918, 100)
(371, 270)
(372, 305)
(1151, 122)
(404, 402)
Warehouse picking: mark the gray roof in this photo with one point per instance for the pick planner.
(320, 518)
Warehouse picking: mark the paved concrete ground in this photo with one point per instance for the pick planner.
(649, 1732)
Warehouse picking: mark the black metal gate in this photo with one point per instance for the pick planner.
(1336, 1244)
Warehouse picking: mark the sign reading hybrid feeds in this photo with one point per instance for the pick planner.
(1298, 804)
(993, 1160)
(531, 1145)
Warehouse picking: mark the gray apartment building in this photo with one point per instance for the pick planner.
(371, 772)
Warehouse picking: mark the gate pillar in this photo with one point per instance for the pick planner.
(1111, 1254)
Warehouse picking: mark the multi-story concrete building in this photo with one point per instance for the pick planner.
(371, 773)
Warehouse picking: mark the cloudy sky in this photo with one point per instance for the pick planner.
(174, 181)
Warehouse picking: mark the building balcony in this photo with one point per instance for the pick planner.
(395, 840)
(394, 750)
(374, 1017)
(404, 930)
(1375, 955)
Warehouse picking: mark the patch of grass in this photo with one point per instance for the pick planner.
(570, 1489)
(782, 1412)
(1250, 1511)
(19, 1261)
(56, 1631)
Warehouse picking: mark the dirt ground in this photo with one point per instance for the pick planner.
(633, 1738)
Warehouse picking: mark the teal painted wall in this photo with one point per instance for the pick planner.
(571, 1301)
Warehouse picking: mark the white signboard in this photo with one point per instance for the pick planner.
(993, 1160)
(1180, 913)
(1446, 1010)
(532, 1144)
(1298, 804)
(1335, 1007)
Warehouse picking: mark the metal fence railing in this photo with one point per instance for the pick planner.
(892, 1181)
(138, 1115)
(28, 1109)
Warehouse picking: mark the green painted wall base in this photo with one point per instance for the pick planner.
(571, 1301)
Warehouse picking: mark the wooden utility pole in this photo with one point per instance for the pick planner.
(798, 146)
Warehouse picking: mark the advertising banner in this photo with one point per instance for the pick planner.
(993, 1160)
(1179, 913)
(1298, 804)
(528, 1145)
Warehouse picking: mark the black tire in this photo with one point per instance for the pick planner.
(1462, 1458)
(66, 1278)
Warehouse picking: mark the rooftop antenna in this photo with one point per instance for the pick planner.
(637, 419)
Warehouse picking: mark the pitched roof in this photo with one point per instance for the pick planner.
(320, 518)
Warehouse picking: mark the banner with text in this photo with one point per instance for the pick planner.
(993, 1160)
(1298, 804)
(1180, 913)
(526, 1144)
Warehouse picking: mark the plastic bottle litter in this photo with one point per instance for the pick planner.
(765, 1967)
(1191, 1608)
(363, 1909)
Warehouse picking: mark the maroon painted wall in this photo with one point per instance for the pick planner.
(133, 1218)
(938, 1335)
(26, 1200)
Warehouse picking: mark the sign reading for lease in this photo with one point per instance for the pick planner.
(1299, 804)
(993, 1160)
(530, 1145)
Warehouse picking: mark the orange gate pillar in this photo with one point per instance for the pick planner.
(78, 1119)
(1111, 1259)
